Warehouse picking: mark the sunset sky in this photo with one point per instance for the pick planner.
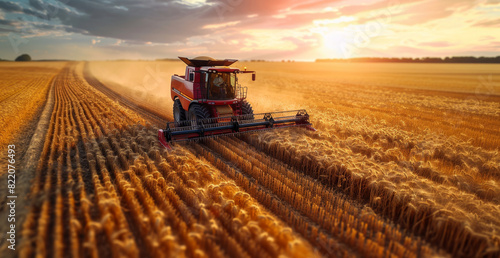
(244, 29)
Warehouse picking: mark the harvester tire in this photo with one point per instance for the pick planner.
(246, 109)
(198, 112)
(179, 112)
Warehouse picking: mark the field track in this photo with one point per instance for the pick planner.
(159, 120)
(105, 187)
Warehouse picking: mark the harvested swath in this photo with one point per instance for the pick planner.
(395, 193)
(54, 182)
(155, 174)
(320, 204)
(23, 92)
(297, 221)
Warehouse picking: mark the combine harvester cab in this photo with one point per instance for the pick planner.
(209, 101)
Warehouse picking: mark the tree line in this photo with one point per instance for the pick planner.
(454, 59)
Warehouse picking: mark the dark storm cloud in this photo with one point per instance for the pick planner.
(167, 21)
(14, 7)
(10, 6)
(40, 5)
(7, 26)
(164, 22)
(48, 10)
(6, 22)
(35, 21)
(75, 30)
(56, 27)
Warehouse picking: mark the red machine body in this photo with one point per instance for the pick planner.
(195, 86)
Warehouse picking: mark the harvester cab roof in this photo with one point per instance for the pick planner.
(207, 61)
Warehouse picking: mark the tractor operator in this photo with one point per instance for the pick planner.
(220, 88)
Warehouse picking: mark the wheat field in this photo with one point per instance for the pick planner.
(24, 89)
(404, 163)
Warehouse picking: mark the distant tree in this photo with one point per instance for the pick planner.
(453, 59)
(23, 57)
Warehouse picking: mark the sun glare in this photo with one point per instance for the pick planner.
(333, 42)
(334, 35)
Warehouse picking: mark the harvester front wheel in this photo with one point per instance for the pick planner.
(246, 109)
(179, 112)
(198, 112)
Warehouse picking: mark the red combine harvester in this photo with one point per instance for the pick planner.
(209, 101)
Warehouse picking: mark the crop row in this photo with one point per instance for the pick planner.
(23, 93)
(469, 117)
(447, 217)
(104, 187)
(313, 209)
(425, 162)
(445, 160)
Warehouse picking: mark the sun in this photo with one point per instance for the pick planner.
(334, 41)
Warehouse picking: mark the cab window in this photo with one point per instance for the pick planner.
(221, 85)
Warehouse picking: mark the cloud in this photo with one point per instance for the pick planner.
(315, 4)
(171, 21)
(14, 7)
(10, 6)
(258, 27)
(10, 26)
(56, 28)
(334, 21)
(7, 26)
(221, 25)
(6, 22)
(489, 23)
(436, 44)
(492, 2)
(412, 12)
(427, 11)
(168, 21)
(162, 22)
(227, 9)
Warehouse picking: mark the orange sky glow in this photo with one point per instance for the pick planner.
(272, 30)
